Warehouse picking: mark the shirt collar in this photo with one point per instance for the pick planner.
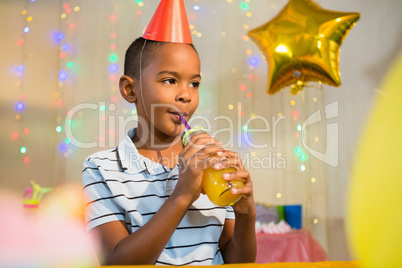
(132, 162)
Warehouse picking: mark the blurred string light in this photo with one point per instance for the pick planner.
(139, 4)
(19, 70)
(246, 85)
(113, 68)
(63, 75)
(64, 39)
(295, 115)
(113, 58)
(67, 9)
(299, 152)
(20, 134)
(254, 61)
(62, 147)
(192, 16)
(58, 37)
(65, 47)
(20, 106)
(113, 65)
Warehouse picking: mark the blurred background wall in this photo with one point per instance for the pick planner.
(61, 62)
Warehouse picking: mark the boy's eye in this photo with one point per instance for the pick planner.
(169, 81)
(195, 84)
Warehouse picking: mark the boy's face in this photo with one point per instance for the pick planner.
(170, 84)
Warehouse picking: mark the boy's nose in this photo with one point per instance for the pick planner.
(184, 94)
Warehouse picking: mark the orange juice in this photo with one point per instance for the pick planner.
(216, 188)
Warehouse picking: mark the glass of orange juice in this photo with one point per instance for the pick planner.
(216, 188)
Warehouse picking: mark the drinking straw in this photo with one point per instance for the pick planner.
(185, 122)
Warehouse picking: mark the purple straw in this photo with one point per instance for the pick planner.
(185, 122)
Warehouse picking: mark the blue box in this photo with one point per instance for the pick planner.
(293, 215)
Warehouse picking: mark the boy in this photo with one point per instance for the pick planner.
(144, 197)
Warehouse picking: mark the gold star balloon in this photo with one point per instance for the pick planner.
(302, 43)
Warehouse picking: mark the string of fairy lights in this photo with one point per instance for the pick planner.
(20, 107)
(64, 40)
(297, 116)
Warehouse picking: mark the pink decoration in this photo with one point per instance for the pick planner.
(31, 239)
(295, 246)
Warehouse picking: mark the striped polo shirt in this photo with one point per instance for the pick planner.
(121, 184)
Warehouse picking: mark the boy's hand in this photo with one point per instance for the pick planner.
(193, 160)
(231, 159)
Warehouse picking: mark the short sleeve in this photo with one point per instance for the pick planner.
(100, 206)
(230, 213)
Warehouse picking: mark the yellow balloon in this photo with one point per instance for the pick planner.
(374, 218)
(302, 44)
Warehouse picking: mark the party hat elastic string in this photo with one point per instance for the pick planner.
(142, 95)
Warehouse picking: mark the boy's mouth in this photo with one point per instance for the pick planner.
(176, 116)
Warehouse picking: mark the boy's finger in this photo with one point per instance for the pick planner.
(200, 143)
(240, 174)
(233, 159)
(206, 150)
(202, 140)
(242, 190)
(230, 162)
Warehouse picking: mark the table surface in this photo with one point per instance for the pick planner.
(297, 249)
(296, 246)
(326, 264)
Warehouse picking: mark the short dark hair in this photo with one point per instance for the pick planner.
(133, 55)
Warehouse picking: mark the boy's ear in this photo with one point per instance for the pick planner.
(127, 91)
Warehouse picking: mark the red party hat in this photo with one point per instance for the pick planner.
(169, 23)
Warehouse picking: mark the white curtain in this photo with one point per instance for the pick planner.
(67, 63)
